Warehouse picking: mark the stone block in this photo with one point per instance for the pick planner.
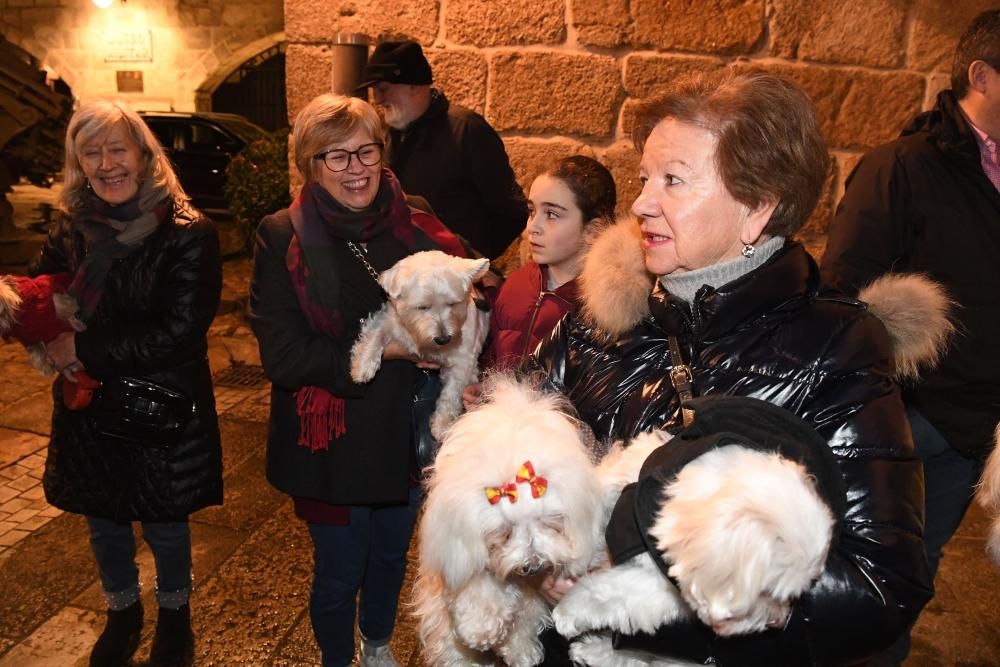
(935, 84)
(194, 38)
(857, 32)
(857, 109)
(238, 14)
(602, 23)
(461, 74)
(307, 74)
(729, 27)
(845, 164)
(528, 157)
(489, 23)
(554, 92)
(937, 27)
(319, 20)
(814, 232)
(623, 161)
(645, 75)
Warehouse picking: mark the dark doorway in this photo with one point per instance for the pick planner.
(257, 90)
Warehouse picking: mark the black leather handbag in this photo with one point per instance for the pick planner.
(425, 394)
(141, 412)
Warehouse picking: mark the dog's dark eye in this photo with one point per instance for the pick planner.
(423, 307)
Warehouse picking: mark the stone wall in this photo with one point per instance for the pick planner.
(557, 77)
(178, 45)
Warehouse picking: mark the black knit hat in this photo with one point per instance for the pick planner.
(397, 62)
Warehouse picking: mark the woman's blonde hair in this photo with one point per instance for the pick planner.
(330, 119)
(94, 119)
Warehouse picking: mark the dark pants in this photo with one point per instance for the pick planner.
(368, 556)
(949, 484)
(113, 545)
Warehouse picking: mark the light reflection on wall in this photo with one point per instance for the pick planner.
(136, 38)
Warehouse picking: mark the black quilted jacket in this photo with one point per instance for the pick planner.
(775, 334)
(151, 323)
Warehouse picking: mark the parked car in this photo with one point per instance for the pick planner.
(200, 146)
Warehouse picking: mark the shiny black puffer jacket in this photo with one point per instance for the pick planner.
(773, 334)
(151, 323)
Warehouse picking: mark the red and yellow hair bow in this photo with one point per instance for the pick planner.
(525, 475)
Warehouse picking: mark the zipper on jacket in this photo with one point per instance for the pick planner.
(531, 322)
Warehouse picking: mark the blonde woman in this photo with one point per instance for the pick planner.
(146, 277)
(341, 450)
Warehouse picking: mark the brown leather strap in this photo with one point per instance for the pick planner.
(681, 378)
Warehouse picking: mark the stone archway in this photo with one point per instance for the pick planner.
(229, 64)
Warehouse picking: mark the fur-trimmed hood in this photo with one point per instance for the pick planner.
(614, 281)
(916, 311)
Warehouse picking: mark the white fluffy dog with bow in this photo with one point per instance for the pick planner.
(431, 312)
(512, 496)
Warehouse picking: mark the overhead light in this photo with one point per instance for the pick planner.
(103, 4)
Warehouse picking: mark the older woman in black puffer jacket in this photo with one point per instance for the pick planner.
(709, 283)
(147, 277)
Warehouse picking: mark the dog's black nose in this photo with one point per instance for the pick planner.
(530, 569)
(442, 340)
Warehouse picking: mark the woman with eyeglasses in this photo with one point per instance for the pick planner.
(341, 450)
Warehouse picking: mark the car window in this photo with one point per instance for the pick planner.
(205, 137)
(244, 129)
(163, 131)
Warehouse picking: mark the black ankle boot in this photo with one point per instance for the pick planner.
(120, 638)
(173, 645)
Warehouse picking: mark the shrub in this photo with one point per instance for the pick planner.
(257, 182)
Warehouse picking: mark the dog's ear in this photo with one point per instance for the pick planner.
(393, 280)
(476, 268)
(451, 537)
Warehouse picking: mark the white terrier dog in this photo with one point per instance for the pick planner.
(432, 314)
(511, 497)
(741, 532)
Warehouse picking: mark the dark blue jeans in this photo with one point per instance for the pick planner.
(366, 556)
(114, 549)
(949, 484)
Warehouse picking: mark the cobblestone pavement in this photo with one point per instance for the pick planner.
(252, 557)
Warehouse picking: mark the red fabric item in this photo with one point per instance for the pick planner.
(321, 418)
(439, 233)
(37, 321)
(316, 511)
(524, 313)
(78, 395)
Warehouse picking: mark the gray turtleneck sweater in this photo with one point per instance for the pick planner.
(686, 284)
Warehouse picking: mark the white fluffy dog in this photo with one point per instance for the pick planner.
(989, 497)
(432, 314)
(512, 496)
(744, 534)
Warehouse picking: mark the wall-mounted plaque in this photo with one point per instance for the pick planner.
(128, 46)
(129, 81)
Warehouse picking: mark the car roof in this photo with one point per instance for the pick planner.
(242, 126)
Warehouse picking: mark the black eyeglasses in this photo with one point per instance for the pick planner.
(339, 160)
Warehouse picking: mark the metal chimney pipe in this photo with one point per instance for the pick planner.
(350, 55)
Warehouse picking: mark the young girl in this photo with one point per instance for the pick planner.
(566, 205)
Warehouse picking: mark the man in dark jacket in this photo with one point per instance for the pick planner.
(929, 202)
(444, 152)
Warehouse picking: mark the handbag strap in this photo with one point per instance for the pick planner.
(681, 378)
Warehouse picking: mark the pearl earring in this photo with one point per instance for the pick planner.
(748, 250)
